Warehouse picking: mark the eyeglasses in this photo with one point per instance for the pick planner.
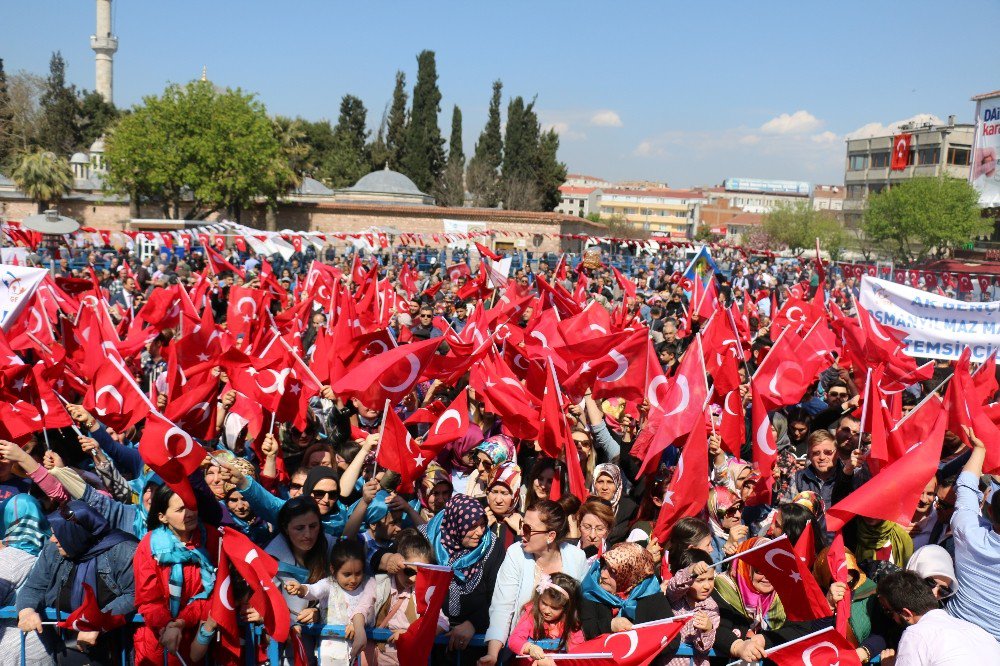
(320, 494)
(939, 590)
(734, 511)
(527, 532)
(425, 316)
(594, 529)
(837, 394)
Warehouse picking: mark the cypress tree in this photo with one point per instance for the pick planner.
(519, 183)
(455, 153)
(451, 191)
(349, 159)
(424, 160)
(6, 121)
(486, 160)
(59, 108)
(551, 173)
(395, 135)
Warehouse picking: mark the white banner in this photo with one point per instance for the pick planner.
(984, 174)
(17, 284)
(935, 326)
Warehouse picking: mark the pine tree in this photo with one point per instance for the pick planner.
(451, 190)
(7, 141)
(349, 159)
(424, 158)
(519, 187)
(485, 163)
(96, 114)
(59, 107)
(550, 172)
(395, 134)
(378, 151)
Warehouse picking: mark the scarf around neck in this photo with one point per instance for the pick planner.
(168, 550)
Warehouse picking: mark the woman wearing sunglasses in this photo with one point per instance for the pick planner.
(543, 550)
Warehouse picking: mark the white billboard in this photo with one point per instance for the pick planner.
(984, 175)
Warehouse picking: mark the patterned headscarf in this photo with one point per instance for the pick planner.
(508, 475)
(24, 525)
(632, 567)
(446, 531)
(434, 475)
(613, 472)
(630, 564)
(810, 500)
(499, 449)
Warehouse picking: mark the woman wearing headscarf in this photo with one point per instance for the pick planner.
(25, 531)
(620, 589)
(84, 550)
(321, 484)
(881, 540)
(503, 498)
(752, 618)
(174, 577)
(725, 511)
(434, 490)
(485, 457)
(460, 540)
(609, 485)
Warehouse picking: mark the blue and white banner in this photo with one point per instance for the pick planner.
(935, 326)
(17, 284)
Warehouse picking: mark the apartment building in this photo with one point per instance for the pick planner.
(659, 211)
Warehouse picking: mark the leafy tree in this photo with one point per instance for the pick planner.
(318, 140)
(59, 132)
(925, 216)
(25, 90)
(195, 151)
(451, 190)
(43, 176)
(291, 136)
(424, 160)
(395, 133)
(551, 173)
(349, 158)
(520, 140)
(484, 167)
(797, 226)
(7, 141)
(96, 114)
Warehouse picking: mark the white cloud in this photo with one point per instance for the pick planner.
(878, 129)
(606, 118)
(749, 140)
(799, 122)
(565, 131)
(648, 148)
(824, 137)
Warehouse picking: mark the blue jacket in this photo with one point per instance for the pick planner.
(51, 572)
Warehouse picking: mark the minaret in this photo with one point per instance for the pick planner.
(104, 45)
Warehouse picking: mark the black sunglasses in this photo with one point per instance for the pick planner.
(410, 572)
(320, 494)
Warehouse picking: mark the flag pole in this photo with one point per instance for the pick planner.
(790, 643)
(381, 429)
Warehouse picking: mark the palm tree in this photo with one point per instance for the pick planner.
(43, 176)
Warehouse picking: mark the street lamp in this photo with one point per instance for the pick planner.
(52, 226)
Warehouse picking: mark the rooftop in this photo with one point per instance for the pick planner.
(662, 193)
(570, 189)
(386, 181)
(746, 220)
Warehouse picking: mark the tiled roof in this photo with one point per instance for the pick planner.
(569, 189)
(746, 220)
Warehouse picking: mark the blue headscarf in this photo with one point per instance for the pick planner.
(83, 534)
(376, 511)
(446, 531)
(167, 549)
(333, 522)
(626, 606)
(24, 525)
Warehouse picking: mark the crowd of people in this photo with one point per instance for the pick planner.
(540, 563)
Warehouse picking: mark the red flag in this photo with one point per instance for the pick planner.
(805, 547)
(733, 428)
(194, 410)
(627, 286)
(413, 647)
(398, 452)
(553, 432)
(456, 271)
(836, 560)
(441, 433)
(894, 493)
(487, 252)
(258, 569)
(114, 398)
(246, 308)
(89, 617)
(822, 648)
(783, 376)
(900, 151)
(171, 453)
(298, 649)
(223, 605)
(637, 646)
(765, 449)
(799, 592)
(688, 490)
(390, 375)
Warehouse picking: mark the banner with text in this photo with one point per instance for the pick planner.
(934, 326)
(984, 175)
(17, 284)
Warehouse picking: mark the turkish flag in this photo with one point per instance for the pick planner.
(246, 308)
(413, 647)
(115, 399)
(639, 645)
(456, 271)
(223, 606)
(298, 649)
(900, 151)
(621, 372)
(627, 286)
(398, 452)
(682, 407)
(836, 559)
(733, 428)
(171, 453)
(503, 394)
(722, 349)
(258, 569)
(54, 415)
(765, 449)
(553, 432)
(390, 375)
(441, 433)
(822, 648)
(687, 492)
(194, 410)
(90, 617)
(893, 494)
(487, 252)
(799, 592)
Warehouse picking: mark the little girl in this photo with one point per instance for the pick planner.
(690, 590)
(552, 613)
(349, 599)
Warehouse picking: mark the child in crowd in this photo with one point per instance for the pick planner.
(349, 598)
(552, 614)
(690, 591)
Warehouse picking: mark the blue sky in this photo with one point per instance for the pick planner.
(687, 93)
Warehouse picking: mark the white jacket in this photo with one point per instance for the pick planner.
(516, 584)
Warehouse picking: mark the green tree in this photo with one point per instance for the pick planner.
(451, 190)
(318, 141)
(424, 160)
(925, 216)
(484, 167)
(519, 175)
(96, 114)
(291, 136)
(395, 133)
(7, 139)
(60, 109)
(349, 159)
(43, 176)
(25, 91)
(196, 150)
(797, 226)
(550, 173)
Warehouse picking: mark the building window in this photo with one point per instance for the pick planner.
(855, 191)
(959, 155)
(929, 155)
(857, 162)
(875, 188)
(880, 160)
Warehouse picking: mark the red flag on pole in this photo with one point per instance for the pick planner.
(414, 646)
(89, 617)
(900, 151)
(799, 592)
(639, 645)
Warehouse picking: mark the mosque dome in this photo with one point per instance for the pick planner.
(79, 158)
(97, 146)
(388, 187)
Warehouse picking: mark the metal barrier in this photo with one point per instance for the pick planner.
(254, 633)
